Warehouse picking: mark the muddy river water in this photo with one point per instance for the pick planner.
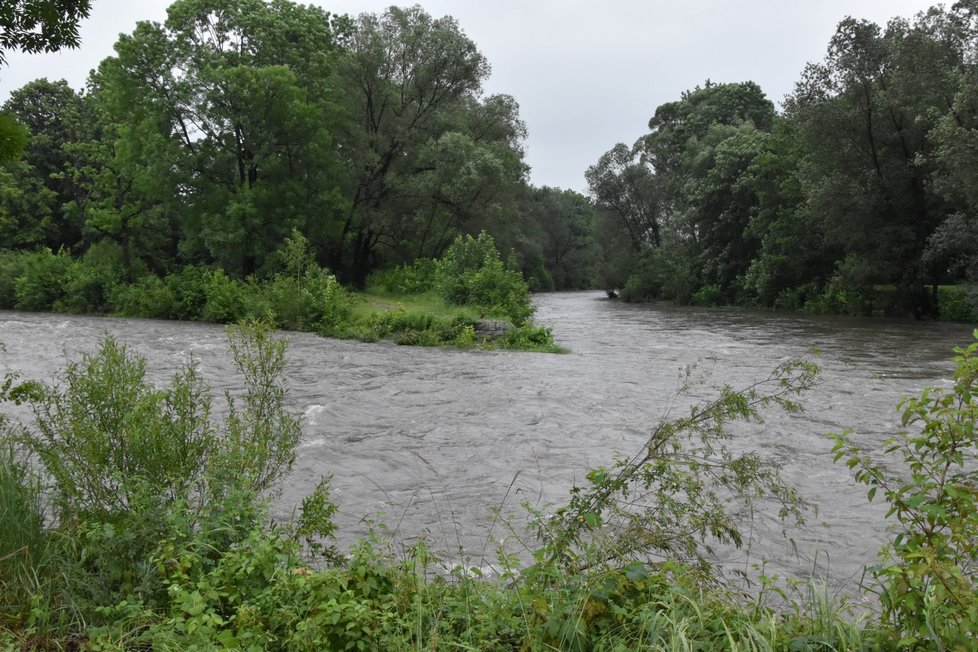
(431, 442)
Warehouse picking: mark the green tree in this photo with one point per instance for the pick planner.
(35, 26)
(240, 93)
(555, 239)
(865, 116)
(40, 25)
(428, 157)
(57, 118)
(680, 189)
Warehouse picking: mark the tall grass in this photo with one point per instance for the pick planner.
(24, 548)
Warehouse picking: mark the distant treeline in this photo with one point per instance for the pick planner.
(860, 197)
(206, 140)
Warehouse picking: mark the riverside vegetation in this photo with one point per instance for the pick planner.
(131, 517)
(431, 302)
(204, 140)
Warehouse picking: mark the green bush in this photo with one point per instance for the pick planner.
(135, 469)
(957, 303)
(44, 281)
(929, 571)
(24, 543)
(148, 297)
(416, 278)
(472, 274)
(226, 301)
(187, 293)
(92, 281)
(661, 274)
(13, 264)
(708, 295)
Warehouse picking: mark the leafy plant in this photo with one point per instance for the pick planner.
(928, 571)
(132, 467)
(470, 273)
(685, 490)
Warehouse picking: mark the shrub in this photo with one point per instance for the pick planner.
(147, 297)
(44, 280)
(681, 492)
(135, 469)
(13, 264)
(225, 299)
(929, 570)
(187, 293)
(23, 540)
(416, 278)
(661, 274)
(708, 295)
(92, 281)
(472, 274)
(957, 303)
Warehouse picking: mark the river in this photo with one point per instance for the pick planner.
(432, 442)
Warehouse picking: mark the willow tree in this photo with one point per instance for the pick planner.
(240, 93)
(427, 155)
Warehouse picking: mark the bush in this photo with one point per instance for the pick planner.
(683, 491)
(708, 295)
(957, 303)
(13, 264)
(929, 571)
(136, 470)
(416, 278)
(315, 301)
(225, 299)
(92, 281)
(472, 274)
(148, 297)
(23, 540)
(44, 280)
(661, 274)
(186, 293)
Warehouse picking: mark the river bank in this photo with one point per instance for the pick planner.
(432, 440)
(386, 591)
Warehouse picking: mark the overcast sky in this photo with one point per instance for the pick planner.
(586, 74)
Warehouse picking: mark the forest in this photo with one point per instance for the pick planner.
(206, 141)
(265, 162)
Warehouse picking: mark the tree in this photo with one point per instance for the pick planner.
(240, 93)
(679, 189)
(865, 117)
(40, 25)
(626, 187)
(56, 118)
(35, 26)
(427, 158)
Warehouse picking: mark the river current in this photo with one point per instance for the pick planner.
(432, 442)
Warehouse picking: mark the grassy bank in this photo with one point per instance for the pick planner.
(432, 303)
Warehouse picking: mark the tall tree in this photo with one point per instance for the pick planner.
(427, 157)
(626, 187)
(56, 118)
(240, 93)
(34, 26)
(865, 115)
(40, 25)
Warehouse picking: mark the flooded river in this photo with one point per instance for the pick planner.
(431, 442)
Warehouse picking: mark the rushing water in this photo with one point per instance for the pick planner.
(431, 442)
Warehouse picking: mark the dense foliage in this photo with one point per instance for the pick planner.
(296, 294)
(857, 198)
(205, 141)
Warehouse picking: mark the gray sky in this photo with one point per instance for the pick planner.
(586, 74)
